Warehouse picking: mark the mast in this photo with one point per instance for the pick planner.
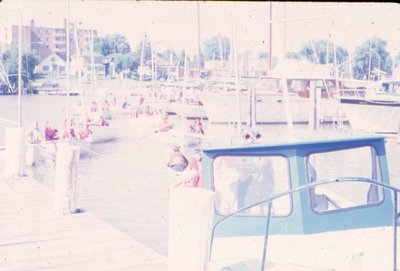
(19, 63)
(141, 65)
(78, 57)
(198, 43)
(270, 35)
(68, 67)
(235, 60)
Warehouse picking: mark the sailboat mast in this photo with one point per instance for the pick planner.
(78, 62)
(235, 61)
(68, 67)
(270, 35)
(141, 65)
(198, 42)
(19, 63)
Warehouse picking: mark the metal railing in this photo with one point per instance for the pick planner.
(309, 186)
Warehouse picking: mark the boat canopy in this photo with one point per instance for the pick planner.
(314, 183)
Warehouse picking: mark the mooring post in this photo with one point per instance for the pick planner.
(15, 162)
(190, 223)
(65, 178)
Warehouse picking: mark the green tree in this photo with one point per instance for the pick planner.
(262, 55)
(320, 49)
(10, 61)
(126, 62)
(111, 44)
(293, 55)
(213, 48)
(170, 56)
(397, 61)
(371, 54)
(146, 51)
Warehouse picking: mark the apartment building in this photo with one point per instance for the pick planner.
(43, 41)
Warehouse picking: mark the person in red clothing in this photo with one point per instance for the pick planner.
(85, 133)
(165, 125)
(177, 161)
(195, 166)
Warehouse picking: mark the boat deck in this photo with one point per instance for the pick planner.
(32, 237)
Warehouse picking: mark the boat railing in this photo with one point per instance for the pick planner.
(7, 121)
(311, 186)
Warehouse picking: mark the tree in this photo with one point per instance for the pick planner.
(213, 48)
(262, 55)
(293, 55)
(146, 51)
(319, 49)
(126, 62)
(111, 44)
(397, 61)
(170, 56)
(10, 60)
(371, 54)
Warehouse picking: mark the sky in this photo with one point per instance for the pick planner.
(173, 24)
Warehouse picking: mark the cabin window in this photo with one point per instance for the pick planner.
(240, 181)
(349, 164)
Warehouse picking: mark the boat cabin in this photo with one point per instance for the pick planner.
(310, 186)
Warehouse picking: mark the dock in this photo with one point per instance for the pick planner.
(32, 237)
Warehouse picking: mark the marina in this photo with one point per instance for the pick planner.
(206, 136)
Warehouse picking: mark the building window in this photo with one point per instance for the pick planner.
(46, 68)
(53, 59)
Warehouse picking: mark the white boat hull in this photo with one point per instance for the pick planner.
(269, 108)
(373, 118)
(361, 249)
(191, 111)
(152, 121)
(103, 133)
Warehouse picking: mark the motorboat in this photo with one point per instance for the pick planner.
(374, 108)
(285, 205)
(103, 133)
(265, 99)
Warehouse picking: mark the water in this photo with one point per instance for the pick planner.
(127, 184)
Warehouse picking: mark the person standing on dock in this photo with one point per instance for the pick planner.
(195, 166)
(34, 136)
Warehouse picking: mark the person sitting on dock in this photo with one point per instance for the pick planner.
(50, 133)
(177, 161)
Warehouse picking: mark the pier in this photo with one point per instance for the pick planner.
(32, 237)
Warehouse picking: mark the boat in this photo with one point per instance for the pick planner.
(268, 102)
(277, 206)
(374, 108)
(103, 133)
(48, 149)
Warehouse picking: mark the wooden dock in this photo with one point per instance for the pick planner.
(32, 237)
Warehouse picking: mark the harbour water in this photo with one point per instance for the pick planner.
(125, 182)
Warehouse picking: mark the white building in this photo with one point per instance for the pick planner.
(52, 65)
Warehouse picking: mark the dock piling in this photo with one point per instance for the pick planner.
(15, 162)
(190, 224)
(65, 178)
